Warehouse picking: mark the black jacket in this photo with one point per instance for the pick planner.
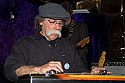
(35, 50)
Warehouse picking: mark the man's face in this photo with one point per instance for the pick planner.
(51, 28)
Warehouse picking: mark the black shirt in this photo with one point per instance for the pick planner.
(36, 50)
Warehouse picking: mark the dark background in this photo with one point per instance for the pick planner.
(105, 23)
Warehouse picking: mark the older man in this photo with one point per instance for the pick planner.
(45, 50)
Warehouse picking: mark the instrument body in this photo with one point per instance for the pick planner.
(72, 78)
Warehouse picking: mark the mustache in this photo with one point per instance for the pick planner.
(50, 32)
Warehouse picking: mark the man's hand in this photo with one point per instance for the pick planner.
(100, 71)
(52, 65)
(97, 70)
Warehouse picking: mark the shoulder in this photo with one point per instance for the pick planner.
(25, 39)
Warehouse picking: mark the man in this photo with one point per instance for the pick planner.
(45, 50)
(76, 32)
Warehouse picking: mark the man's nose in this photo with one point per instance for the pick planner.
(58, 27)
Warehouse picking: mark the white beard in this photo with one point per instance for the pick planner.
(50, 32)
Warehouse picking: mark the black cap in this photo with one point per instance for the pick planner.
(54, 11)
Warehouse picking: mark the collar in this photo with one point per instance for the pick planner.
(38, 36)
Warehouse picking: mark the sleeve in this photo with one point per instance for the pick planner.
(16, 59)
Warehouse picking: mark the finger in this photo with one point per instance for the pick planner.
(57, 65)
(47, 67)
(94, 71)
(109, 73)
(55, 68)
(56, 62)
(97, 70)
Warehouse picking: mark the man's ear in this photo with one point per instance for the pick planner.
(41, 23)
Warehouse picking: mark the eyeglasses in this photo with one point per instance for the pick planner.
(53, 23)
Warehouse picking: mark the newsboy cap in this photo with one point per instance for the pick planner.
(54, 11)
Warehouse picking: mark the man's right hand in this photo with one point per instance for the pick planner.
(52, 65)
